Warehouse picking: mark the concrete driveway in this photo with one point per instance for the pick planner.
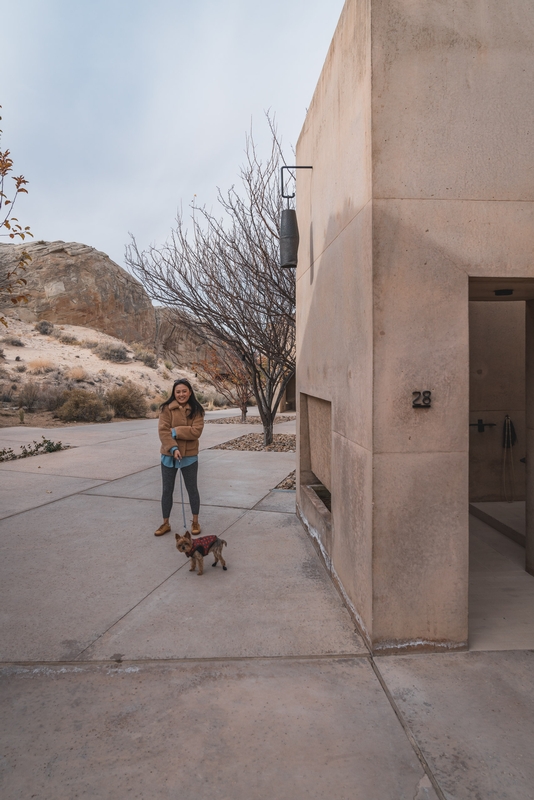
(125, 675)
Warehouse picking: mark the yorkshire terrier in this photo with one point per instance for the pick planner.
(197, 549)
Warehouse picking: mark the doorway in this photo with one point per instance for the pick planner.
(501, 590)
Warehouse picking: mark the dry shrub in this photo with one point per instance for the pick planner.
(77, 374)
(168, 365)
(45, 327)
(2, 354)
(41, 366)
(52, 397)
(149, 359)
(128, 401)
(67, 338)
(29, 395)
(13, 341)
(109, 351)
(91, 344)
(83, 406)
(6, 393)
(21, 368)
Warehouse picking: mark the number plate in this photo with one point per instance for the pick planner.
(422, 399)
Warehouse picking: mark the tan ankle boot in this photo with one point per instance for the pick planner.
(163, 528)
(195, 529)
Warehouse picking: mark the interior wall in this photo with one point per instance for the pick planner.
(530, 436)
(497, 388)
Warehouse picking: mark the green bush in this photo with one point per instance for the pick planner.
(128, 401)
(168, 365)
(112, 352)
(82, 406)
(45, 327)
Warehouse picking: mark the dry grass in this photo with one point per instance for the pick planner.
(40, 366)
(76, 374)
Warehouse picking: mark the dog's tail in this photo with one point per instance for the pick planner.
(224, 544)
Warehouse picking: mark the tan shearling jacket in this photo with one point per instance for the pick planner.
(188, 430)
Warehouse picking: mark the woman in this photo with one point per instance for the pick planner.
(181, 422)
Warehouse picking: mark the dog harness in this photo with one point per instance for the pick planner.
(203, 545)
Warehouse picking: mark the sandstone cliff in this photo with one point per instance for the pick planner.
(73, 284)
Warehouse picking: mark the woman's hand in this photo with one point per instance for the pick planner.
(177, 454)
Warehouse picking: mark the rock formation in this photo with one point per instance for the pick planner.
(73, 284)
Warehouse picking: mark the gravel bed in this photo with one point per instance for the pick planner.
(251, 420)
(288, 483)
(282, 443)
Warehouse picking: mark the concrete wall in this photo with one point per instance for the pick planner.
(419, 183)
(334, 279)
(496, 388)
(320, 434)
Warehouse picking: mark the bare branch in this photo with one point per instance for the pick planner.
(224, 275)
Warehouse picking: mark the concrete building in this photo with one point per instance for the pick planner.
(415, 303)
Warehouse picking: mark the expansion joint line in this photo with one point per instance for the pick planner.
(411, 738)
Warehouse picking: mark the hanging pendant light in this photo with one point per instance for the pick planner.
(289, 229)
(289, 238)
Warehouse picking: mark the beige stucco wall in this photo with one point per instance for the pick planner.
(334, 328)
(418, 183)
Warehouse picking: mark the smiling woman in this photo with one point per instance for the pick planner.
(181, 423)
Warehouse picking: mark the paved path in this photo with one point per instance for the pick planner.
(125, 675)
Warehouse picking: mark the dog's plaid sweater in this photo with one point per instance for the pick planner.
(202, 545)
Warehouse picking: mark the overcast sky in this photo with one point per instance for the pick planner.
(120, 111)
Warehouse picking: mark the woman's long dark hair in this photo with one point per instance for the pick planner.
(196, 408)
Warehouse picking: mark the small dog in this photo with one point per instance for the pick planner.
(196, 550)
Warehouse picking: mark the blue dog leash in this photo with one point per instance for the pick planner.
(173, 432)
(182, 493)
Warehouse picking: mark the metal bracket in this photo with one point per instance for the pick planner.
(481, 425)
(288, 196)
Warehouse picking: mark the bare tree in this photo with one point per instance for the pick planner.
(228, 375)
(222, 277)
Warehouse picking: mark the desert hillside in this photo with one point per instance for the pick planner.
(75, 357)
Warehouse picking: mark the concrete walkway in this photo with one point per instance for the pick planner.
(125, 675)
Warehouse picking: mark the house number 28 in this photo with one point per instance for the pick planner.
(422, 399)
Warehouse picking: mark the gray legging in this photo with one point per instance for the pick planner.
(168, 477)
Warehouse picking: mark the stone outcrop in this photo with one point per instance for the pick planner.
(73, 284)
